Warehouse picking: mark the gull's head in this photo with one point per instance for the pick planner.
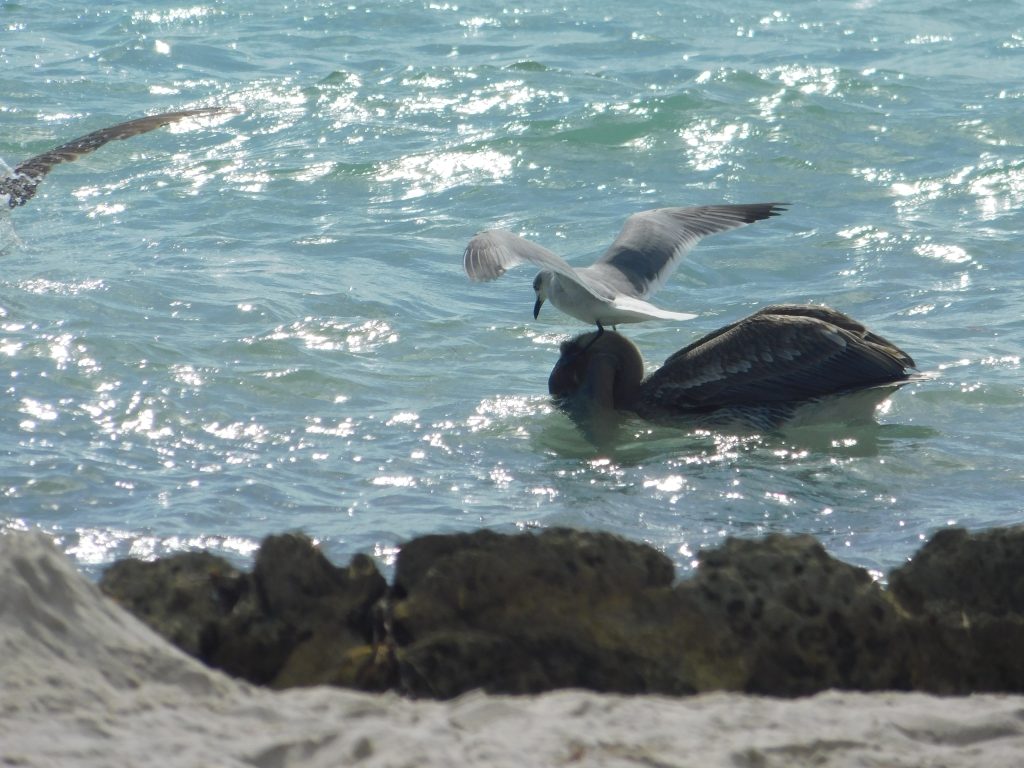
(541, 283)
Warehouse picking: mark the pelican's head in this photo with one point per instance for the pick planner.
(541, 285)
(604, 367)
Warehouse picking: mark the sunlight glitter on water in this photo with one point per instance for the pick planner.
(332, 335)
(709, 143)
(435, 172)
(151, 547)
(173, 15)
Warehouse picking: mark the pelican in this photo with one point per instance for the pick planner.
(613, 290)
(757, 371)
(20, 185)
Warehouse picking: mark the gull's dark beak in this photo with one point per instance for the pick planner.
(536, 308)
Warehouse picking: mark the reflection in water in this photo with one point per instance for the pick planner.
(638, 442)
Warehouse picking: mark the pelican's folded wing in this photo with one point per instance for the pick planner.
(774, 358)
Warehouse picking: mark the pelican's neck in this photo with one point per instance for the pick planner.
(596, 378)
(622, 376)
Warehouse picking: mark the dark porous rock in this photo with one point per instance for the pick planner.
(563, 608)
(184, 597)
(295, 620)
(957, 572)
(529, 613)
(802, 620)
(303, 619)
(964, 593)
(579, 559)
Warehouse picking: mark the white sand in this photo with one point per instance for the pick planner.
(82, 683)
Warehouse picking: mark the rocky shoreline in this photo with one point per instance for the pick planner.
(535, 612)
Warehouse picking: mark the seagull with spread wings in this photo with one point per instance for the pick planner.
(614, 289)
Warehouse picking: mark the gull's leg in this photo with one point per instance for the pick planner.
(600, 330)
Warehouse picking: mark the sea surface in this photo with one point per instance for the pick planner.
(258, 323)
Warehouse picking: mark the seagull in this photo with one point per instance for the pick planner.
(757, 371)
(20, 185)
(613, 289)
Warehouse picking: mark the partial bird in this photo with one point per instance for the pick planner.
(758, 371)
(20, 185)
(614, 289)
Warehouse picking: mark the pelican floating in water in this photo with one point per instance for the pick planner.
(757, 371)
(614, 289)
(20, 185)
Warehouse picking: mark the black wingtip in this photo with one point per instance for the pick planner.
(759, 211)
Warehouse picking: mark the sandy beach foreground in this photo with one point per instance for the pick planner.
(86, 684)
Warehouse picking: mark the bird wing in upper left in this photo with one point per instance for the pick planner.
(20, 185)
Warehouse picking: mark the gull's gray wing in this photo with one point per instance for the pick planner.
(21, 185)
(775, 357)
(490, 254)
(651, 243)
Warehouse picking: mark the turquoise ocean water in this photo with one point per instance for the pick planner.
(248, 325)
